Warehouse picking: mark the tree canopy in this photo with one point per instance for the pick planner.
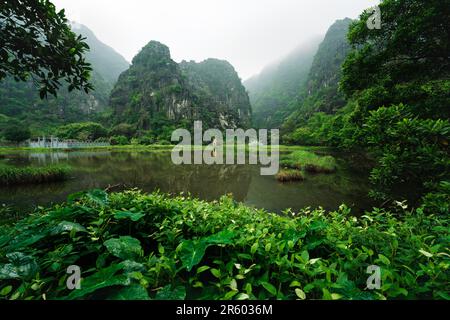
(36, 42)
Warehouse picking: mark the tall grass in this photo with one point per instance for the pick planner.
(28, 175)
(289, 175)
(309, 162)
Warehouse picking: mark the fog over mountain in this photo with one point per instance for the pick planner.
(249, 34)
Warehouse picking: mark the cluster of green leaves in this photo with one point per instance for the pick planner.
(82, 131)
(36, 41)
(13, 131)
(409, 150)
(21, 101)
(131, 245)
(12, 175)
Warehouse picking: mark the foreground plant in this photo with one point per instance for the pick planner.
(131, 245)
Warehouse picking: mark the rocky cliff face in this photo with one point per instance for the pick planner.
(155, 88)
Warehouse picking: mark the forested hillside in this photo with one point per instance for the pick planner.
(396, 86)
(157, 94)
(276, 90)
(20, 102)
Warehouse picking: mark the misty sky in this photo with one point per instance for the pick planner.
(250, 34)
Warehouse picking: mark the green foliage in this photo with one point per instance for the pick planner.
(406, 61)
(26, 175)
(14, 131)
(411, 151)
(178, 248)
(309, 162)
(82, 131)
(20, 100)
(119, 141)
(123, 129)
(36, 40)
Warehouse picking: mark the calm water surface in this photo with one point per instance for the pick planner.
(151, 171)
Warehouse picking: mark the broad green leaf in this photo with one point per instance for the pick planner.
(202, 269)
(126, 248)
(215, 273)
(269, 287)
(66, 226)
(230, 295)
(98, 196)
(192, 252)
(5, 291)
(242, 296)
(295, 283)
(21, 266)
(326, 294)
(384, 259)
(133, 216)
(426, 253)
(254, 248)
(167, 293)
(103, 278)
(300, 294)
(233, 284)
(305, 256)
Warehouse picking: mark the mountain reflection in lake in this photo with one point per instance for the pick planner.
(150, 171)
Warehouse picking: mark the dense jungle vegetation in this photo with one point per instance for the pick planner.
(383, 93)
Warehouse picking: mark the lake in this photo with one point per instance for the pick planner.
(154, 170)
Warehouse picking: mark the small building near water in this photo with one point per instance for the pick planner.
(56, 143)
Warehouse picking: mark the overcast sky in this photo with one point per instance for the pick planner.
(250, 34)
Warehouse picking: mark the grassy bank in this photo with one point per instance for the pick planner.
(28, 175)
(135, 246)
(289, 175)
(154, 147)
(309, 162)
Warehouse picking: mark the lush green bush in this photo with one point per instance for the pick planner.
(135, 246)
(118, 140)
(123, 129)
(147, 139)
(13, 175)
(14, 131)
(82, 131)
(409, 150)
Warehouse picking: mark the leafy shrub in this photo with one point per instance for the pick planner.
(82, 131)
(124, 129)
(410, 150)
(15, 131)
(118, 141)
(137, 246)
(147, 140)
